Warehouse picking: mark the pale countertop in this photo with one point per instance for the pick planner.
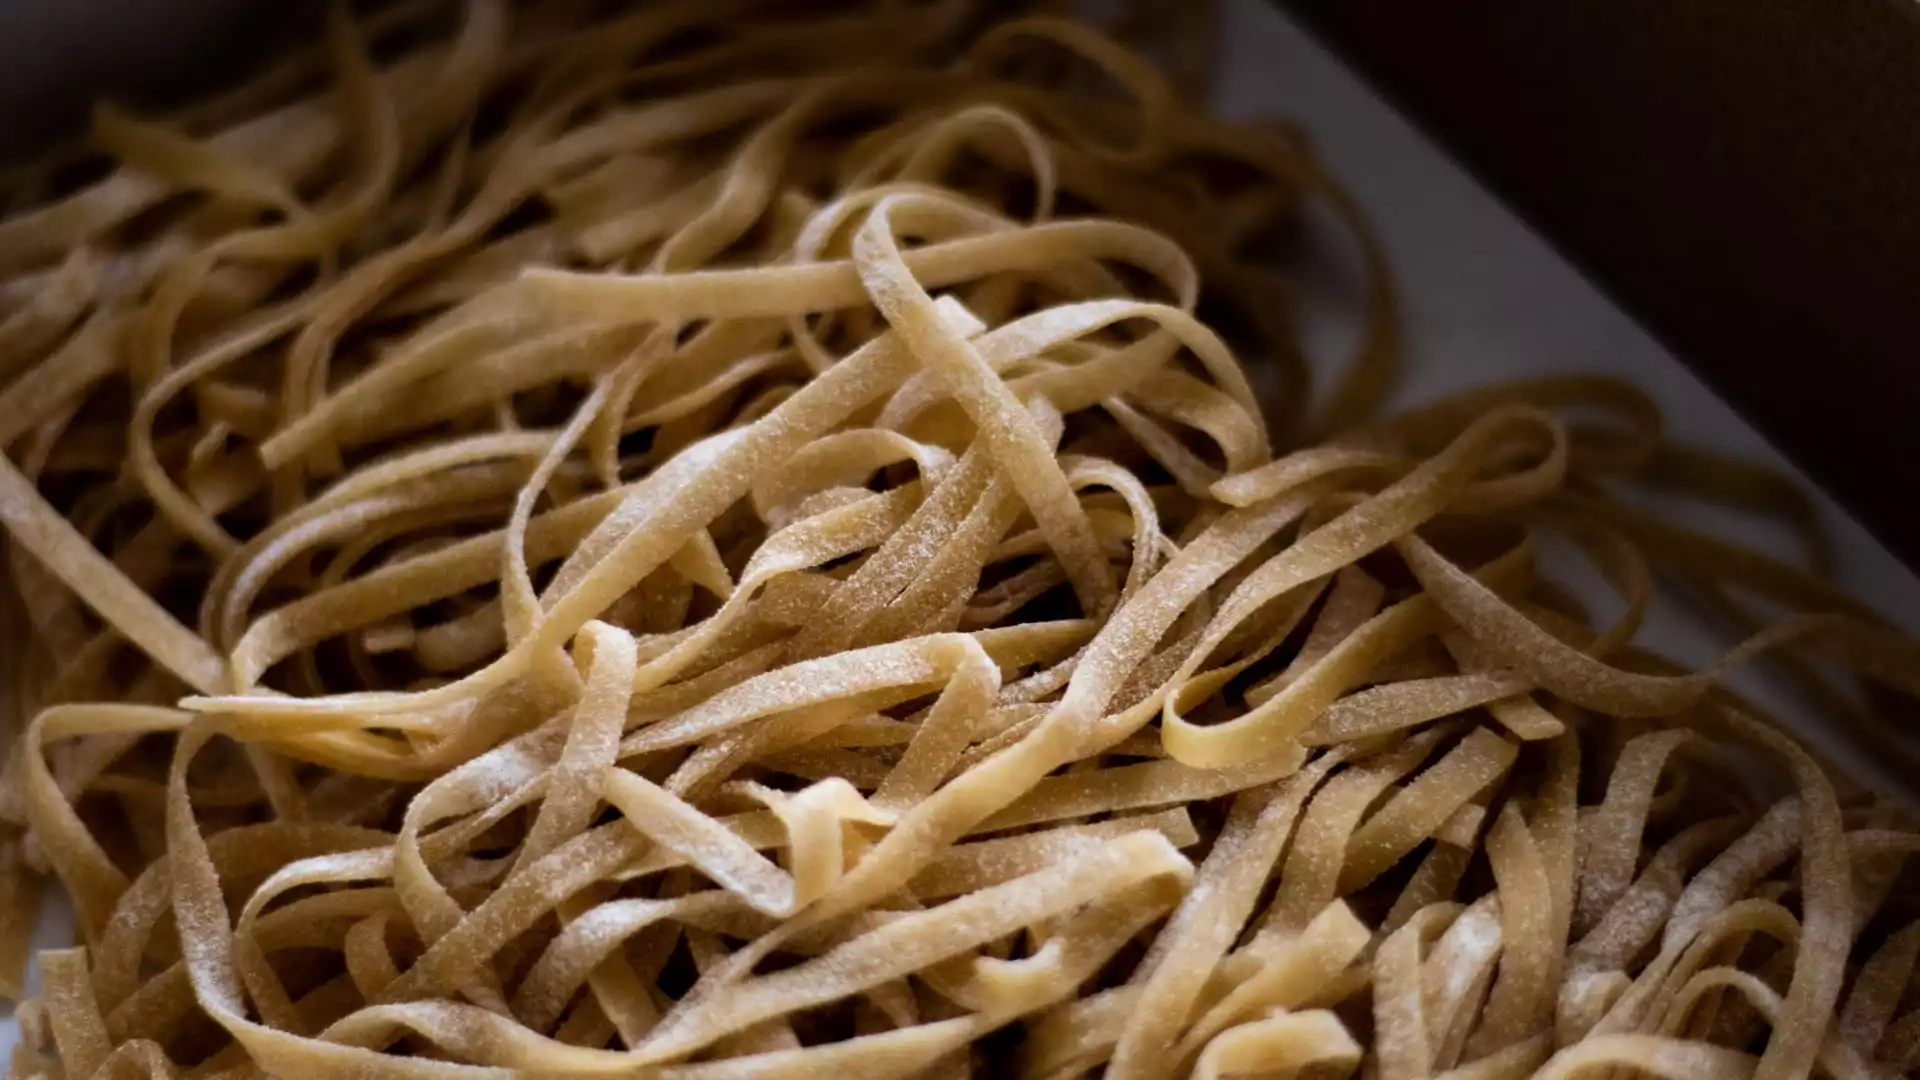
(1484, 297)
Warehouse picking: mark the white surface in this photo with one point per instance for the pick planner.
(1485, 299)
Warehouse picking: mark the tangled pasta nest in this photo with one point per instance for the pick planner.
(731, 539)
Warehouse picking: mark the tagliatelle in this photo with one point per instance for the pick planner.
(732, 540)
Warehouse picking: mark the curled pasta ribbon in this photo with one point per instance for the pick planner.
(741, 540)
(813, 820)
(1282, 1041)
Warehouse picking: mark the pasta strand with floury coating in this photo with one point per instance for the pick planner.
(732, 539)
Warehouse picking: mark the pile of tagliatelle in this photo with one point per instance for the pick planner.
(734, 539)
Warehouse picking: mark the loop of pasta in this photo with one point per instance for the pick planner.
(730, 541)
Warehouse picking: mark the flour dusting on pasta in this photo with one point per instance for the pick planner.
(742, 539)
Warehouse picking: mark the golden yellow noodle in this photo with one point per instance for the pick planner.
(735, 539)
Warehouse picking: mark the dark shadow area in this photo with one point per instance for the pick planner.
(1743, 177)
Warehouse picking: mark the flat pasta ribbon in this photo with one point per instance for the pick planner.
(731, 540)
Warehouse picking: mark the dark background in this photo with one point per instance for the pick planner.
(1742, 175)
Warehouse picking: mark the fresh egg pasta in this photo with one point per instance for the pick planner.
(734, 539)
